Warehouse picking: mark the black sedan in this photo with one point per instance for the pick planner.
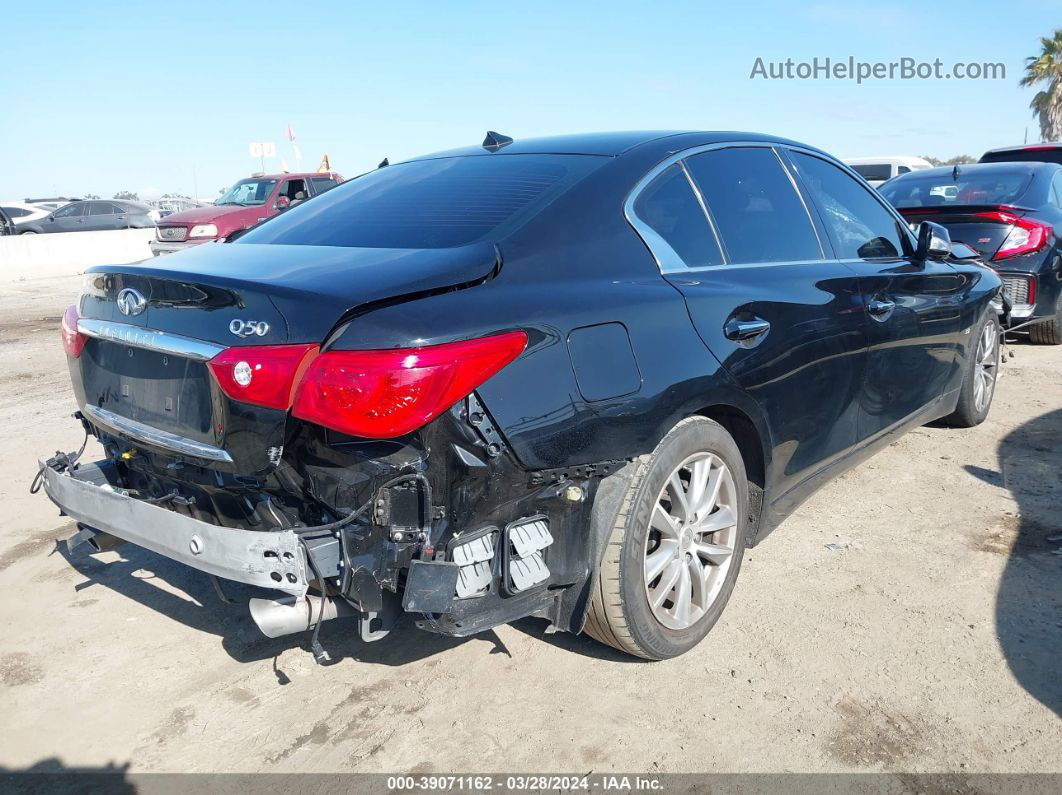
(1011, 213)
(93, 216)
(571, 377)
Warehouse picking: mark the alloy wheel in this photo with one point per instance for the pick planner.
(985, 365)
(690, 544)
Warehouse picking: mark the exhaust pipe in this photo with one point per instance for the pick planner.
(277, 617)
(101, 542)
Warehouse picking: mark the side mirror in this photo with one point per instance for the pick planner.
(282, 203)
(934, 242)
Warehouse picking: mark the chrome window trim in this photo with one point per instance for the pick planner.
(149, 339)
(153, 436)
(666, 258)
(707, 213)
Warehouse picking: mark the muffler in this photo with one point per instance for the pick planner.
(277, 617)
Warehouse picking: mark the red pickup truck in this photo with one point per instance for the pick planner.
(243, 205)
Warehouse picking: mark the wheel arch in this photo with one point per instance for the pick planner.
(749, 438)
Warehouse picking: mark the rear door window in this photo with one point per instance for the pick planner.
(677, 226)
(858, 223)
(757, 211)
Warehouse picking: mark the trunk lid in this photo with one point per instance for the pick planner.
(299, 291)
(978, 226)
(150, 368)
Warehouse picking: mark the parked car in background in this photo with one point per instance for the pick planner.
(23, 213)
(876, 170)
(570, 377)
(93, 216)
(1041, 153)
(1011, 213)
(248, 202)
(7, 226)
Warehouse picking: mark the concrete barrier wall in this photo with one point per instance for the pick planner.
(66, 253)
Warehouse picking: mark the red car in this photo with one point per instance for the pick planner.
(243, 205)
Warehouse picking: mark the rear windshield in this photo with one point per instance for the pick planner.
(1053, 155)
(429, 203)
(992, 187)
(873, 170)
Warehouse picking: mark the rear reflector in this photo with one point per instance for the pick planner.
(264, 375)
(73, 340)
(1025, 236)
(384, 394)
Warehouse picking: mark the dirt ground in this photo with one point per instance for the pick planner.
(907, 618)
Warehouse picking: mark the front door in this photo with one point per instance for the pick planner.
(784, 320)
(70, 218)
(913, 308)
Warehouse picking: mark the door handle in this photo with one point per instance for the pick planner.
(746, 332)
(881, 308)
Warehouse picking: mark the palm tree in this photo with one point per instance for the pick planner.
(1047, 68)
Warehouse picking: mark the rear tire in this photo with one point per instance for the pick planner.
(1050, 331)
(979, 380)
(677, 540)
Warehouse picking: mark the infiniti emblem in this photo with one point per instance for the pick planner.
(131, 302)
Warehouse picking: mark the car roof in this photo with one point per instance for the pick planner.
(1009, 167)
(609, 144)
(295, 174)
(897, 159)
(1027, 147)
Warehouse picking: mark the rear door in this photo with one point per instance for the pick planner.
(733, 235)
(913, 309)
(99, 215)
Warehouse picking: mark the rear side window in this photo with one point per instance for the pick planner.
(756, 209)
(861, 228)
(321, 184)
(972, 185)
(668, 206)
(873, 170)
(15, 212)
(450, 201)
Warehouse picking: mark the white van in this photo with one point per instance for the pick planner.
(876, 170)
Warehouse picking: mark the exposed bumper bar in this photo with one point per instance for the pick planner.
(269, 559)
(153, 436)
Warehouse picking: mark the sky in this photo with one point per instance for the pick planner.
(160, 97)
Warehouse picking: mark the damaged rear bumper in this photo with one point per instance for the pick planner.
(269, 559)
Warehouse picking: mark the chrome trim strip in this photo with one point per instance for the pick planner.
(149, 339)
(667, 259)
(704, 208)
(153, 436)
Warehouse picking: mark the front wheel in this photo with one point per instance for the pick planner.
(979, 380)
(676, 545)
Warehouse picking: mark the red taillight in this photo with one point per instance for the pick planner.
(1025, 236)
(73, 340)
(265, 375)
(384, 394)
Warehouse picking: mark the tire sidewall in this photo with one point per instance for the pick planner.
(688, 438)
